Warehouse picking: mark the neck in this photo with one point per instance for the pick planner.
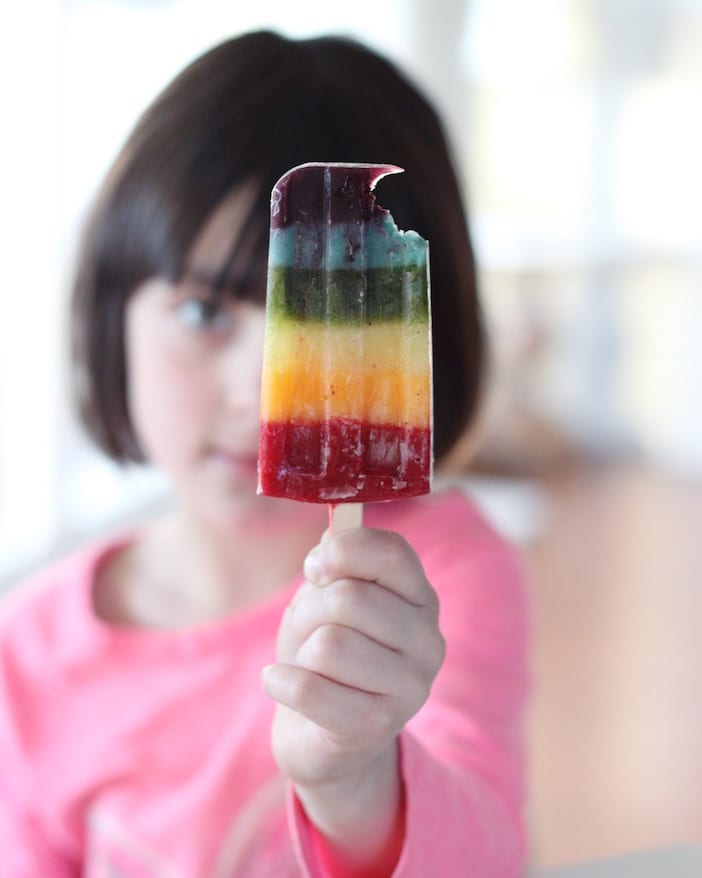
(198, 570)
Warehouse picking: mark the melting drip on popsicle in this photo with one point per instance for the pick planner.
(346, 402)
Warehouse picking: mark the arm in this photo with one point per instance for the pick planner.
(359, 648)
(26, 850)
(31, 842)
(461, 754)
(28, 846)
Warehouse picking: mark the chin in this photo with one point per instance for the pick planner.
(228, 499)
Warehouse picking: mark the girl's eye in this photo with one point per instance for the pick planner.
(204, 314)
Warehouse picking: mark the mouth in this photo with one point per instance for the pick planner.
(243, 460)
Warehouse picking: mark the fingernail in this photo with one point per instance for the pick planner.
(313, 565)
(268, 676)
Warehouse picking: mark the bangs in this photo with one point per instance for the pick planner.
(242, 274)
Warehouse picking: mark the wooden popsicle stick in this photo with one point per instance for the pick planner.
(343, 516)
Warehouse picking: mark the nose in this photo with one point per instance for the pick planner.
(242, 360)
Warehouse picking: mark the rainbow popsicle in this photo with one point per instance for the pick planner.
(346, 397)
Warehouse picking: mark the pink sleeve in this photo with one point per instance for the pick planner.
(27, 848)
(462, 755)
(26, 852)
(304, 838)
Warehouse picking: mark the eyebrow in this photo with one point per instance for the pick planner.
(237, 274)
(206, 277)
(217, 281)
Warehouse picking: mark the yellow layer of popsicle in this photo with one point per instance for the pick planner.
(379, 373)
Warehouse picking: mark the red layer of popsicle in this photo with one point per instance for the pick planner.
(329, 461)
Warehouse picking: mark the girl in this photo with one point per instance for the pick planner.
(209, 695)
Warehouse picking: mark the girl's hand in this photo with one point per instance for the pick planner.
(358, 649)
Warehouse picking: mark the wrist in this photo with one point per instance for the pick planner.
(358, 819)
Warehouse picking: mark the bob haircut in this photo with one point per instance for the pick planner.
(247, 111)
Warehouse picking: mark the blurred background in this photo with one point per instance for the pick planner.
(576, 125)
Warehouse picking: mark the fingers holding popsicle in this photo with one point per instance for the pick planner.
(358, 650)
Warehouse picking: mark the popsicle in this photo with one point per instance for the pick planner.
(346, 395)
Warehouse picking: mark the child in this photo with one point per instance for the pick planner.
(207, 696)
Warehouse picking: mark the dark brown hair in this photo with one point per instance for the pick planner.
(250, 109)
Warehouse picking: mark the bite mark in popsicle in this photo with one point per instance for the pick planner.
(346, 396)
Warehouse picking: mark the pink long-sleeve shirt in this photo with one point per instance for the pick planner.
(133, 752)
